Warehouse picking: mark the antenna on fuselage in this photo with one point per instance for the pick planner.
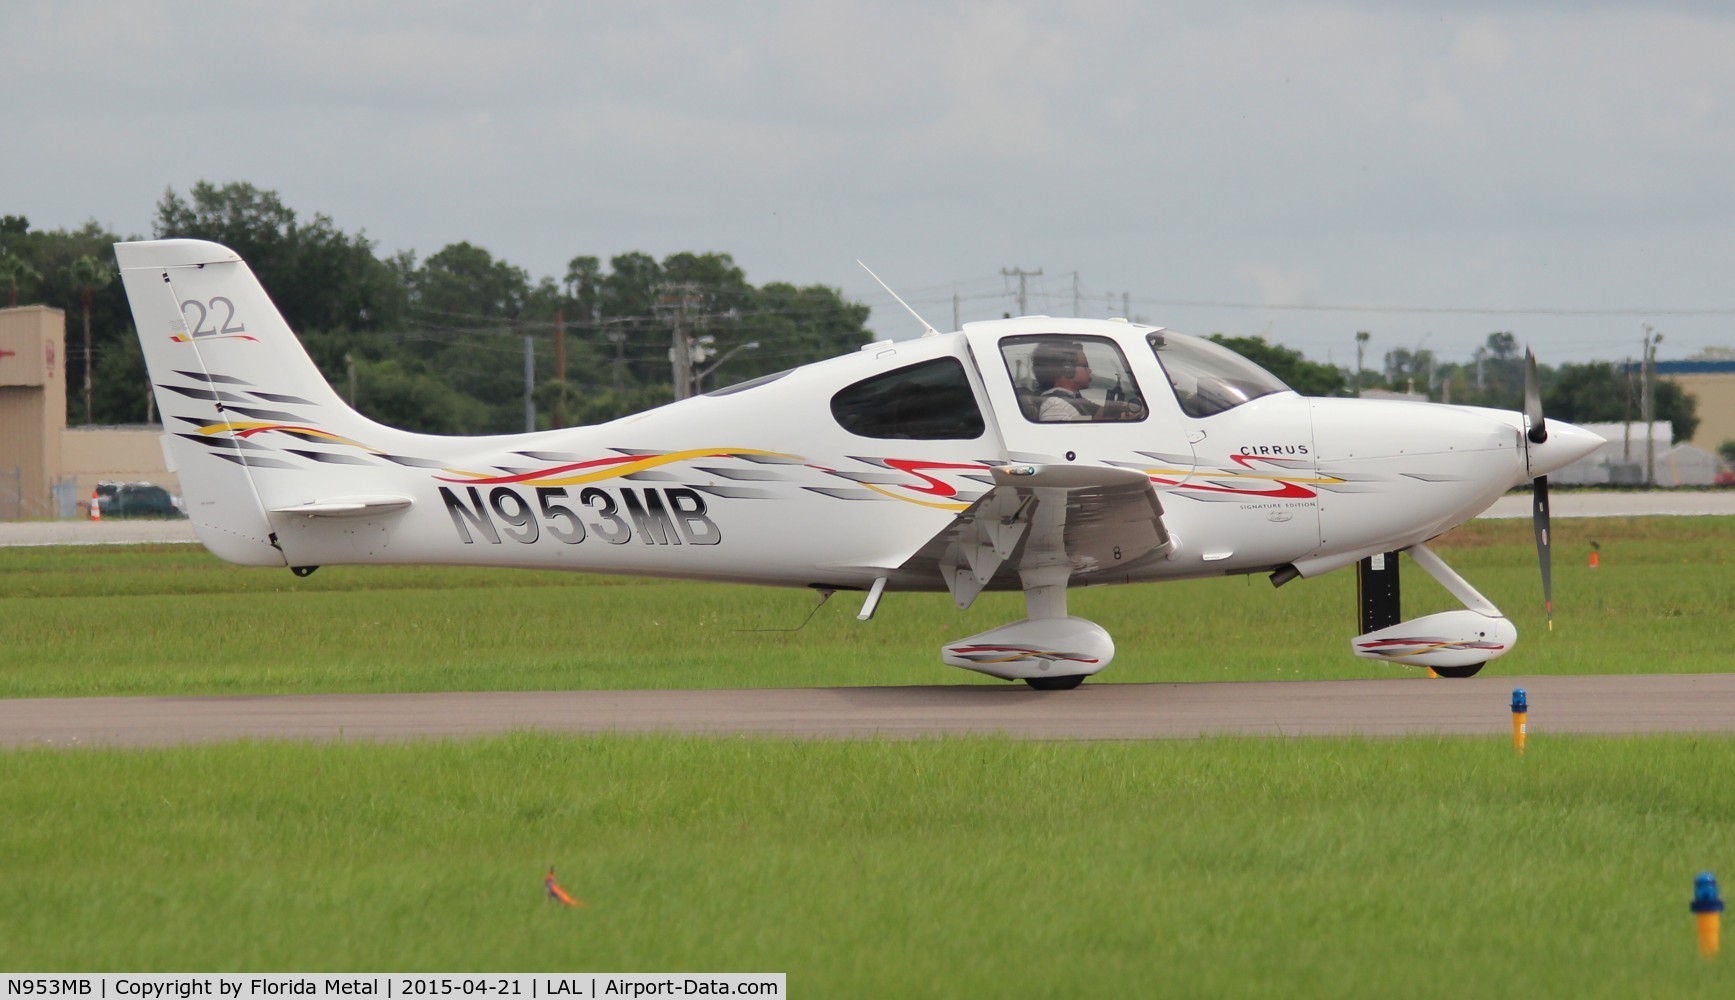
(931, 332)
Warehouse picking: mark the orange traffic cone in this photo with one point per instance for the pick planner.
(1593, 560)
(95, 506)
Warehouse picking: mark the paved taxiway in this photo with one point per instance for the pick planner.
(1387, 707)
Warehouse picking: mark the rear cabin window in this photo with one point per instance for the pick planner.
(931, 401)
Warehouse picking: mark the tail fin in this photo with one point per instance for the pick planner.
(239, 397)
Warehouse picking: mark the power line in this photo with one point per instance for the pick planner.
(1447, 310)
(1041, 292)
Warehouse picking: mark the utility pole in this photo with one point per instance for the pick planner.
(1021, 274)
(1627, 416)
(618, 338)
(349, 363)
(674, 305)
(88, 358)
(560, 366)
(681, 354)
(1361, 342)
(1648, 401)
(529, 383)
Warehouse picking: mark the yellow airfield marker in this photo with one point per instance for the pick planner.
(1707, 907)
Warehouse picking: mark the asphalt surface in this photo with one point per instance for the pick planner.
(1388, 707)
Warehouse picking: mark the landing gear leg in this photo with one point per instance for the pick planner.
(1049, 650)
(1045, 599)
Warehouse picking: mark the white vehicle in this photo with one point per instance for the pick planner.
(1030, 454)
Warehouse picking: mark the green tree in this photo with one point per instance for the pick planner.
(122, 388)
(1498, 372)
(1410, 371)
(1601, 392)
(470, 312)
(319, 277)
(16, 274)
(397, 393)
(1310, 378)
(795, 326)
(583, 289)
(463, 286)
(88, 274)
(631, 291)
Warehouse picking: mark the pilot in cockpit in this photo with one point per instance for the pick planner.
(1062, 372)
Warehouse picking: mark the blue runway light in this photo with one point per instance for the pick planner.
(1519, 703)
(1705, 897)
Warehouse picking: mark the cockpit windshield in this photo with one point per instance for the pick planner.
(1209, 378)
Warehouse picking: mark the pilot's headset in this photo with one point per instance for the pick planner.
(1054, 359)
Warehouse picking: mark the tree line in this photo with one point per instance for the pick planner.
(437, 344)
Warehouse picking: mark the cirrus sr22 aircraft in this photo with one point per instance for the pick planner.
(1030, 454)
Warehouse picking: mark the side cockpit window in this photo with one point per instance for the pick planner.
(931, 401)
(1209, 378)
(1061, 379)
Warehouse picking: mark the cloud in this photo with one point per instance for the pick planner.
(1442, 153)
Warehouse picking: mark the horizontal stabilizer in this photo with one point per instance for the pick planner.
(348, 507)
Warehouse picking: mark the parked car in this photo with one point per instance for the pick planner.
(136, 500)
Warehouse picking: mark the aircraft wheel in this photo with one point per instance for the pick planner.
(1469, 671)
(1066, 683)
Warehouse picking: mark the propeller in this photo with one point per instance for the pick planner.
(1537, 433)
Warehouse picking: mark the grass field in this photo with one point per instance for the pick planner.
(1429, 867)
(174, 620)
(957, 867)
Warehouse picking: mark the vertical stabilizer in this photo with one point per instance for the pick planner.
(230, 378)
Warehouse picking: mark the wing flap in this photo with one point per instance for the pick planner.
(1080, 524)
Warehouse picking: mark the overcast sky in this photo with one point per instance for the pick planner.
(1248, 168)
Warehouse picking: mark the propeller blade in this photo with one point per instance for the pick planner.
(1539, 523)
(1538, 432)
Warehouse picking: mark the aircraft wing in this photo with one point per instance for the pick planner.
(1048, 523)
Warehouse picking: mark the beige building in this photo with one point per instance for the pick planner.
(1712, 384)
(32, 409)
(48, 470)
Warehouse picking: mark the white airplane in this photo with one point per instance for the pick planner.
(1031, 454)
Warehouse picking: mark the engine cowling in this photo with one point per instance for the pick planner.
(1039, 648)
(1449, 639)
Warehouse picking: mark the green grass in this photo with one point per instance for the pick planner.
(965, 867)
(174, 620)
(957, 867)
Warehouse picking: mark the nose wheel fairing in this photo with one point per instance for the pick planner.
(1452, 643)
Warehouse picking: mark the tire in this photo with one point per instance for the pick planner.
(1469, 671)
(1066, 683)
